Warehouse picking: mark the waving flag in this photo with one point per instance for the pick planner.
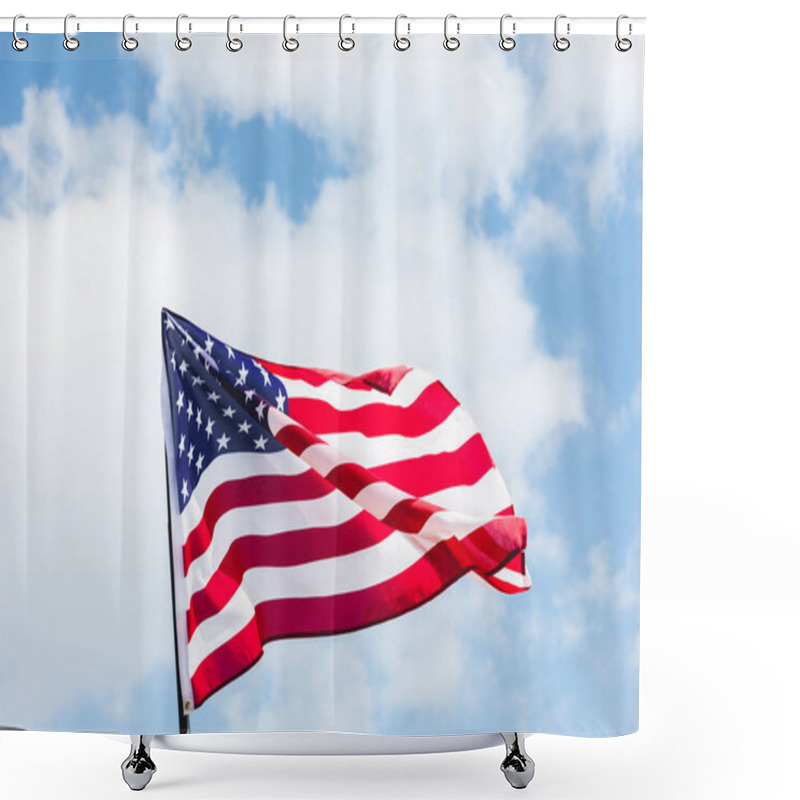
(311, 502)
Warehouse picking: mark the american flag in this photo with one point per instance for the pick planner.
(312, 502)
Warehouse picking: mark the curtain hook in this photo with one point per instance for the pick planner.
(70, 42)
(128, 42)
(181, 42)
(18, 43)
(623, 45)
(234, 45)
(506, 42)
(561, 43)
(346, 43)
(451, 42)
(289, 45)
(401, 42)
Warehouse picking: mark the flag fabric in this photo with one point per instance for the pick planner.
(312, 502)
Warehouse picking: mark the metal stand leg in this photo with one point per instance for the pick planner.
(138, 767)
(517, 766)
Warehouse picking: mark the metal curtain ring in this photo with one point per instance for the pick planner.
(401, 42)
(345, 42)
(128, 42)
(623, 45)
(70, 42)
(289, 45)
(451, 42)
(181, 42)
(506, 42)
(561, 43)
(234, 45)
(18, 43)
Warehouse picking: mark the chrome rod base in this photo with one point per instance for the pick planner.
(517, 766)
(138, 768)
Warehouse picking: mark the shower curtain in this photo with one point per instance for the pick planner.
(320, 385)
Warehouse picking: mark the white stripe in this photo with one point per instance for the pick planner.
(513, 578)
(267, 520)
(452, 523)
(377, 451)
(380, 498)
(332, 509)
(488, 495)
(231, 467)
(374, 451)
(408, 389)
(323, 578)
(277, 420)
(355, 571)
(322, 458)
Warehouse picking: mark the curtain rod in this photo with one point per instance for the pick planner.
(323, 25)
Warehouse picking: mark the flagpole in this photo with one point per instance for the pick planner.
(183, 718)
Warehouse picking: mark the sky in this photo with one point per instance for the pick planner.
(475, 213)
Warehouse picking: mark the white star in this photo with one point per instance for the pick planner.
(199, 463)
(185, 490)
(182, 445)
(228, 412)
(260, 442)
(209, 426)
(172, 361)
(281, 399)
(260, 410)
(244, 427)
(179, 401)
(197, 379)
(209, 343)
(183, 367)
(242, 376)
(209, 361)
(189, 411)
(199, 420)
(213, 397)
(249, 394)
(223, 442)
(264, 373)
(169, 324)
(191, 453)
(230, 352)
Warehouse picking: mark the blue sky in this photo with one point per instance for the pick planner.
(575, 633)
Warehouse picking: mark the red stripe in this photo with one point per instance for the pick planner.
(253, 491)
(319, 616)
(410, 515)
(281, 550)
(426, 474)
(236, 656)
(350, 479)
(384, 380)
(416, 476)
(482, 550)
(437, 471)
(297, 438)
(430, 409)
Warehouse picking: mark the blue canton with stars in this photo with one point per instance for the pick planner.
(218, 398)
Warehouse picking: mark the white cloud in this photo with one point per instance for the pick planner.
(585, 107)
(538, 224)
(627, 414)
(601, 596)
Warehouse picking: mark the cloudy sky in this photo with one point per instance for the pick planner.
(475, 213)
